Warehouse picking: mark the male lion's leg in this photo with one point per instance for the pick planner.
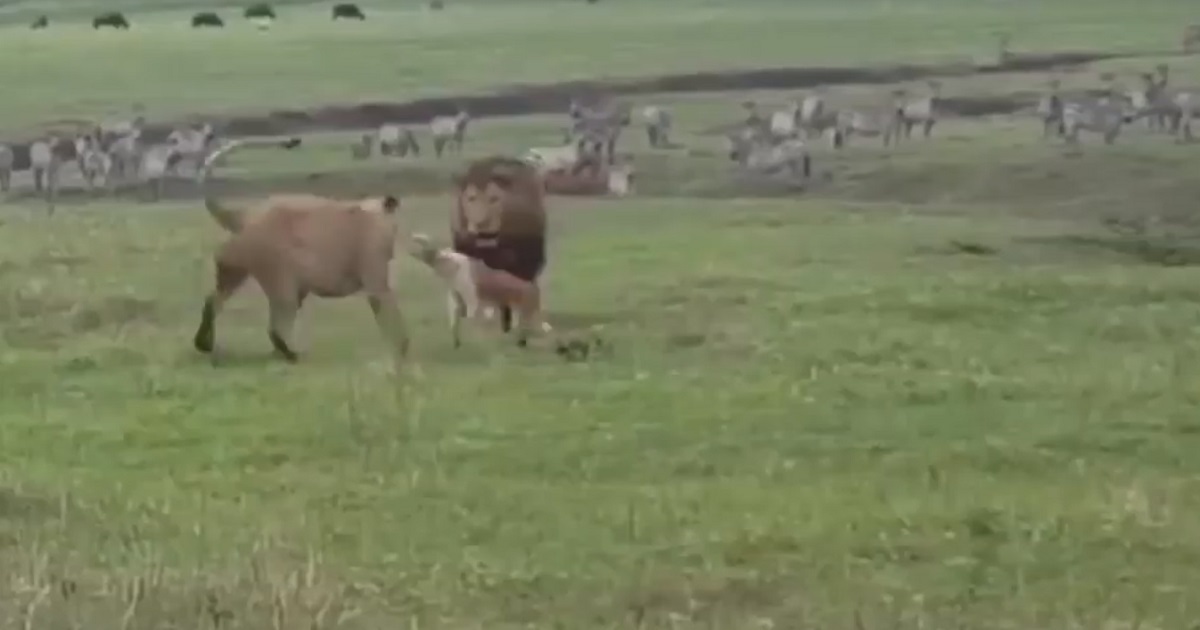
(229, 279)
(455, 311)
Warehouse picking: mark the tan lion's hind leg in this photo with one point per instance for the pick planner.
(228, 280)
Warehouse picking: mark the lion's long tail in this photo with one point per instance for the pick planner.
(227, 216)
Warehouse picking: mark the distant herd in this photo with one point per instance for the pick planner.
(260, 14)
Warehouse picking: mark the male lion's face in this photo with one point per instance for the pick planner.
(482, 207)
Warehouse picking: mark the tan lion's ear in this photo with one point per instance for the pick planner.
(390, 204)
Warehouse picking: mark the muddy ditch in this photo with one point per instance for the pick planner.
(525, 99)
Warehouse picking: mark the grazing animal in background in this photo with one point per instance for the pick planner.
(658, 126)
(126, 153)
(158, 161)
(6, 167)
(347, 11)
(1050, 111)
(449, 131)
(437, 5)
(39, 23)
(1190, 42)
(785, 123)
(45, 162)
(42, 161)
(546, 159)
(590, 179)
(112, 19)
(192, 143)
(813, 118)
(499, 217)
(1103, 116)
(597, 129)
(94, 164)
(260, 10)
(207, 19)
(922, 111)
(361, 150)
(471, 285)
(294, 245)
(883, 121)
(789, 156)
(398, 141)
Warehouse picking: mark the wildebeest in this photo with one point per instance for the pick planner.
(449, 131)
(112, 19)
(207, 19)
(6, 167)
(261, 10)
(294, 245)
(658, 125)
(398, 140)
(39, 22)
(347, 11)
(500, 218)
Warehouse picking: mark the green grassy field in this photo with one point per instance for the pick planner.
(930, 392)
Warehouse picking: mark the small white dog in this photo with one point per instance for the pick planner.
(474, 290)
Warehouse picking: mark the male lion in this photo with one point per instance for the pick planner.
(500, 219)
(297, 244)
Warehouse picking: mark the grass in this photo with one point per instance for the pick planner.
(405, 51)
(930, 392)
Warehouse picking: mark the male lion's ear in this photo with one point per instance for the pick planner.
(390, 204)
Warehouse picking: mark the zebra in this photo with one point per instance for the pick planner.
(155, 163)
(397, 140)
(921, 111)
(192, 143)
(596, 130)
(1050, 110)
(6, 167)
(883, 121)
(658, 125)
(1103, 116)
(791, 155)
(449, 131)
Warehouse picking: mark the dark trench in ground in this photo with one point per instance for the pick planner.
(526, 99)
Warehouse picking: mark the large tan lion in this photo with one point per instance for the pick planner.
(500, 218)
(297, 244)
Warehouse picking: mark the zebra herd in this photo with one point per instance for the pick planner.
(775, 144)
(108, 156)
(394, 139)
(1165, 109)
